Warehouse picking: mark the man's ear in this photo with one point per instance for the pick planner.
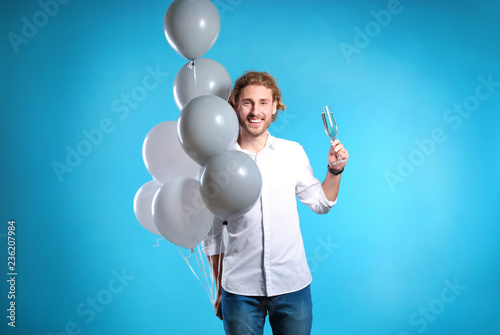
(275, 107)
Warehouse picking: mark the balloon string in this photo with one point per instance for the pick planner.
(187, 262)
(190, 254)
(195, 84)
(207, 280)
(212, 276)
(198, 263)
(220, 247)
(203, 271)
(158, 242)
(207, 276)
(219, 275)
(194, 272)
(201, 266)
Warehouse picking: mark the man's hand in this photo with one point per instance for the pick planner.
(337, 152)
(217, 306)
(332, 180)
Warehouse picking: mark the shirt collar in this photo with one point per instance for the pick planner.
(270, 144)
(271, 141)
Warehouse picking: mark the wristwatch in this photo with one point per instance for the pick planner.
(332, 171)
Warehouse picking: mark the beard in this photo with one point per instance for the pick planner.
(251, 129)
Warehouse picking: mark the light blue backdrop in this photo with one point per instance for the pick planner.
(411, 247)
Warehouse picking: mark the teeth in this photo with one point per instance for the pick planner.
(255, 120)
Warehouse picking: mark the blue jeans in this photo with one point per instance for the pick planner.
(289, 314)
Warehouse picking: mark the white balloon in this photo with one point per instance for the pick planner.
(143, 205)
(179, 213)
(163, 154)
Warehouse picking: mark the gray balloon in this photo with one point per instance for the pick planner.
(230, 184)
(202, 76)
(191, 27)
(207, 126)
(179, 213)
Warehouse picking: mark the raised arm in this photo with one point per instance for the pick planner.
(331, 183)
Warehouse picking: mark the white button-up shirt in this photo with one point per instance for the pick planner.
(265, 253)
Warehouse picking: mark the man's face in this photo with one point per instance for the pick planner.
(255, 109)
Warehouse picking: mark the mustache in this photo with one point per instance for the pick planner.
(255, 116)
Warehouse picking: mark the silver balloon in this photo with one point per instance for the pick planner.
(191, 27)
(207, 126)
(163, 155)
(179, 213)
(143, 205)
(230, 184)
(202, 76)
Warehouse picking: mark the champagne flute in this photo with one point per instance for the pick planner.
(331, 128)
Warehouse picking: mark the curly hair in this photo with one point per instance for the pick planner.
(257, 78)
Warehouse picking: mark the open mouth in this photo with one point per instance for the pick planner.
(255, 121)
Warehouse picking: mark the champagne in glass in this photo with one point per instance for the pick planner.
(330, 125)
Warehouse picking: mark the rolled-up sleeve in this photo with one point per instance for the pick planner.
(213, 243)
(309, 189)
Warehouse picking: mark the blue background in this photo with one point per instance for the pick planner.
(383, 260)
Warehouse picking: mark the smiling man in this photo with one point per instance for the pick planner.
(263, 271)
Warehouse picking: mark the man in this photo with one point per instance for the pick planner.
(264, 269)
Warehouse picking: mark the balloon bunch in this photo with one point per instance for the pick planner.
(174, 204)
